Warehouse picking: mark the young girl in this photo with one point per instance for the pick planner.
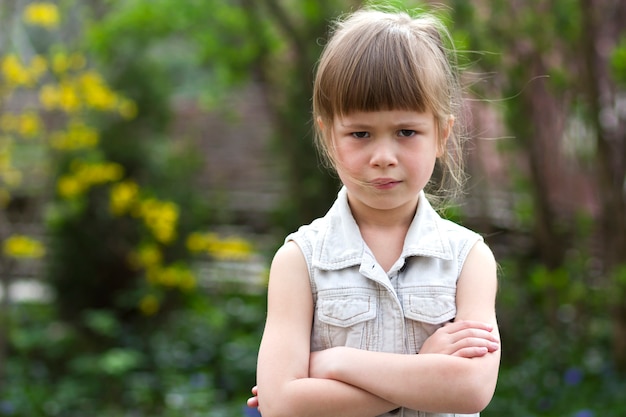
(381, 307)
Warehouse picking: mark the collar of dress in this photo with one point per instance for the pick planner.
(341, 244)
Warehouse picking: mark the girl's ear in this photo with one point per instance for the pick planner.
(445, 134)
(320, 122)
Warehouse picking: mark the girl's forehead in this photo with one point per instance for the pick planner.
(399, 117)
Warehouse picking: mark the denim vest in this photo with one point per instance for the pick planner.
(358, 304)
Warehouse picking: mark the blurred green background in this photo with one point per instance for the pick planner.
(154, 154)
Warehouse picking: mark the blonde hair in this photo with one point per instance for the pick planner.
(389, 60)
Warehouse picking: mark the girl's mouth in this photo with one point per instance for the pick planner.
(384, 183)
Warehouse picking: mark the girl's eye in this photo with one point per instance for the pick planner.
(406, 133)
(360, 135)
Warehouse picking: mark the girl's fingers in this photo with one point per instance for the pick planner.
(465, 329)
(470, 339)
(468, 324)
(471, 352)
(470, 342)
(252, 402)
(463, 338)
(474, 334)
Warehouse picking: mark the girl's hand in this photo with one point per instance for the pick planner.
(466, 339)
(253, 402)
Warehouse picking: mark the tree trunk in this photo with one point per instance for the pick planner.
(602, 27)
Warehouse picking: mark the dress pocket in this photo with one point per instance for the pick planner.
(425, 310)
(345, 320)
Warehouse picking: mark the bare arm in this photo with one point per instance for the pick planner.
(433, 382)
(284, 385)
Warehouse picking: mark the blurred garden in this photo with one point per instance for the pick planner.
(154, 154)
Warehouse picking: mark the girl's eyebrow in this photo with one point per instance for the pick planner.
(395, 125)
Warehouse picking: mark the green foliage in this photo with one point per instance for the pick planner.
(556, 336)
(205, 47)
(198, 362)
(579, 386)
(618, 62)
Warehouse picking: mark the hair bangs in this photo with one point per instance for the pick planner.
(380, 73)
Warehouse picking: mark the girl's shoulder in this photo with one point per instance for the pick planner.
(453, 228)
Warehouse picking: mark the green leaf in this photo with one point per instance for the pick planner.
(119, 361)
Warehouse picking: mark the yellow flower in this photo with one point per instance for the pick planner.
(97, 173)
(69, 101)
(60, 63)
(148, 256)
(19, 246)
(29, 124)
(172, 277)
(14, 72)
(50, 96)
(160, 217)
(149, 305)
(78, 136)
(85, 175)
(69, 186)
(196, 242)
(127, 109)
(112, 172)
(232, 248)
(42, 14)
(123, 197)
(168, 277)
(96, 92)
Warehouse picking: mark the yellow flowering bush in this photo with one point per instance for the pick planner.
(64, 90)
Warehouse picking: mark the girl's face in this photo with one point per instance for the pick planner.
(385, 158)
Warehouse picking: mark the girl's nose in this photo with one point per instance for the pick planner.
(384, 154)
